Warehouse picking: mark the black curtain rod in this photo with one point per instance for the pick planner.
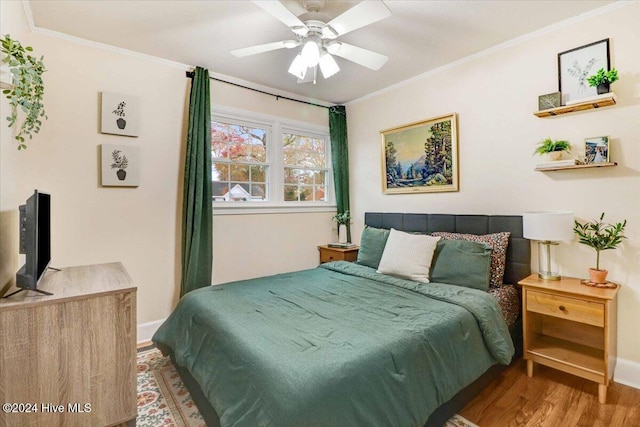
(191, 74)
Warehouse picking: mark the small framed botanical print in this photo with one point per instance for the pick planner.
(120, 165)
(576, 65)
(119, 114)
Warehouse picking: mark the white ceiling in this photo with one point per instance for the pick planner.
(418, 37)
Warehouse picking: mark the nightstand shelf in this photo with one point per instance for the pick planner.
(570, 327)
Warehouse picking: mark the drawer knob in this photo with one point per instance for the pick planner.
(562, 308)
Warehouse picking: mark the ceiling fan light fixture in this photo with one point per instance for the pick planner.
(298, 67)
(328, 32)
(328, 65)
(301, 30)
(311, 53)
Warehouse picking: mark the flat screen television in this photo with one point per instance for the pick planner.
(35, 241)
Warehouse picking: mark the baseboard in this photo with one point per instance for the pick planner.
(146, 330)
(627, 373)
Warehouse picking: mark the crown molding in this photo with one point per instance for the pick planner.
(509, 43)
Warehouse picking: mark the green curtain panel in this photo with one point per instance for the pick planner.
(340, 158)
(197, 227)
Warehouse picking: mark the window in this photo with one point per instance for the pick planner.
(305, 168)
(265, 163)
(239, 162)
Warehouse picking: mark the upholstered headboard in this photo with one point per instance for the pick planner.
(518, 252)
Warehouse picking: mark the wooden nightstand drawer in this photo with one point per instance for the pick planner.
(328, 254)
(577, 310)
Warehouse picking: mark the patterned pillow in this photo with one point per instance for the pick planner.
(498, 243)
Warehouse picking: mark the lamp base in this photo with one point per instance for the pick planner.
(547, 275)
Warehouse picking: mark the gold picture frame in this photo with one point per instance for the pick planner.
(421, 157)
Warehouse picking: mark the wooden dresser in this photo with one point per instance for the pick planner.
(70, 359)
(571, 327)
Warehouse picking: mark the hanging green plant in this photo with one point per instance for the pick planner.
(27, 89)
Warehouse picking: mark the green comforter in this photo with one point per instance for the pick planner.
(338, 345)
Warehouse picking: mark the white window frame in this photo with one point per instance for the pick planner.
(276, 126)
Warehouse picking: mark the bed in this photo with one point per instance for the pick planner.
(344, 345)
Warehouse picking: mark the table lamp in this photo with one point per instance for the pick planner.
(548, 228)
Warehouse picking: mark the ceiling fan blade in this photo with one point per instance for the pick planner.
(280, 12)
(252, 50)
(364, 13)
(366, 58)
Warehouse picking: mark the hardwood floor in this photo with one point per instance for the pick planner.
(551, 399)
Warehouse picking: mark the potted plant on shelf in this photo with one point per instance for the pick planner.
(26, 90)
(600, 236)
(343, 220)
(553, 149)
(602, 79)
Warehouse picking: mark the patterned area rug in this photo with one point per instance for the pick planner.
(164, 401)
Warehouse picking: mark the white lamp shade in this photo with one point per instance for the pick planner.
(552, 226)
(311, 53)
(298, 67)
(328, 65)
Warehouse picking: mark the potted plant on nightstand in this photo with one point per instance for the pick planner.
(602, 79)
(600, 236)
(553, 149)
(343, 220)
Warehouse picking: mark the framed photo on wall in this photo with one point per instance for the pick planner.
(576, 65)
(421, 157)
(596, 150)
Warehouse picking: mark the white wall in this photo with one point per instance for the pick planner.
(494, 96)
(138, 226)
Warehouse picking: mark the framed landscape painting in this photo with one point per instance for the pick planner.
(421, 157)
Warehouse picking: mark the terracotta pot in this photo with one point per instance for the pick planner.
(598, 276)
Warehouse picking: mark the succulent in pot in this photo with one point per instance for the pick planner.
(600, 236)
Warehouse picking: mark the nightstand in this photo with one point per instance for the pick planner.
(570, 327)
(328, 254)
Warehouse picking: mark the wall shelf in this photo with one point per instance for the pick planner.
(598, 102)
(591, 165)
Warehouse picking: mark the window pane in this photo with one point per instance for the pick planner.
(238, 142)
(290, 193)
(258, 174)
(258, 192)
(301, 150)
(240, 173)
(319, 177)
(220, 171)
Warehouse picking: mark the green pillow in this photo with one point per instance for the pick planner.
(372, 244)
(462, 263)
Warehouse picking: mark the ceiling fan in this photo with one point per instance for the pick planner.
(318, 39)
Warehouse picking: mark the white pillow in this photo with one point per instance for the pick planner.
(408, 255)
